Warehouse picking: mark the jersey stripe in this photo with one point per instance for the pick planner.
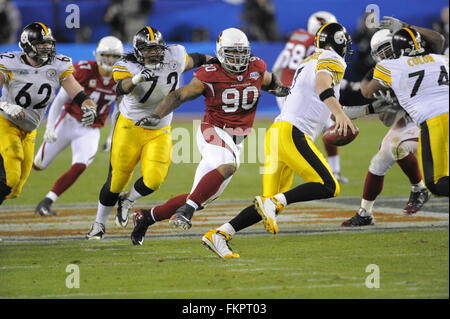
(66, 73)
(119, 74)
(382, 75)
(120, 67)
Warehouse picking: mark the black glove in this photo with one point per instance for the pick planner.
(280, 91)
(149, 121)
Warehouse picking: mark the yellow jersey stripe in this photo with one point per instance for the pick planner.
(65, 74)
(383, 69)
(335, 65)
(43, 27)
(413, 37)
(318, 34)
(382, 77)
(152, 35)
(119, 75)
(120, 67)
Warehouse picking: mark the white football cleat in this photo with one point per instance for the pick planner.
(124, 205)
(97, 231)
(217, 241)
(267, 208)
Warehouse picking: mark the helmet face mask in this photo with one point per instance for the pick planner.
(37, 42)
(233, 50)
(109, 51)
(149, 48)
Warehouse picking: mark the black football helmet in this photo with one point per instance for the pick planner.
(408, 42)
(32, 36)
(150, 40)
(334, 36)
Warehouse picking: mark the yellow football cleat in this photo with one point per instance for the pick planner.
(217, 241)
(268, 207)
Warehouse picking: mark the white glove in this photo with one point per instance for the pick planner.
(280, 91)
(392, 24)
(89, 115)
(144, 75)
(386, 96)
(13, 110)
(50, 135)
(148, 122)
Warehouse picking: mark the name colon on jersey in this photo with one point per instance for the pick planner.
(420, 60)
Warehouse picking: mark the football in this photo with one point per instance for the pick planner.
(330, 136)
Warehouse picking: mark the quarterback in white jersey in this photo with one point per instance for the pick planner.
(420, 82)
(143, 80)
(29, 79)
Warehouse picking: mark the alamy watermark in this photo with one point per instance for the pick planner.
(73, 279)
(73, 19)
(372, 19)
(373, 280)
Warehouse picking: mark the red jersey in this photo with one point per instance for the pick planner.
(231, 99)
(299, 46)
(101, 91)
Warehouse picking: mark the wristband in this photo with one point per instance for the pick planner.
(326, 94)
(370, 107)
(80, 98)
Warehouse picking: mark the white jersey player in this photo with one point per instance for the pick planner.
(420, 81)
(143, 80)
(64, 126)
(29, 79)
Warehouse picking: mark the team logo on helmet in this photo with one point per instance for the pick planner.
(339, 37)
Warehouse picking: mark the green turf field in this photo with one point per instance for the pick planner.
(301, 262)
(411, 265)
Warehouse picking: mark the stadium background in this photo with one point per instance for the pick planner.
(178, 18)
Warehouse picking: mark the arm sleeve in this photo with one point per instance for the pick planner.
(56, 107)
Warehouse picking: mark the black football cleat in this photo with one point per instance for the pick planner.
(44, 208)
(140, 226)
(359, 220)
(182, 217)
(416, 201)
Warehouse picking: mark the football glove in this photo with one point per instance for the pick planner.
(50, 135)
(149, 121)
(13, 110)
(144, 75)
(392, 24)
(89, 115)
(107, 145)
(280, 91)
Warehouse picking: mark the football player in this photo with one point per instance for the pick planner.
(231, 85)
(143, 78)
(300, 46)
(399, 144)
(420, 82)
(66, 126)
(30, 79)
(289, 144)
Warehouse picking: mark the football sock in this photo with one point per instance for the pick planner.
(69, 177)
(373, 185)
(335, 163)
(306, 192)
(441, 187)
(52, 196)
(418, 187)
(103, 213)
(246, 218)
(139, 190)
(368, 206)
(166, 210)
(207, 187)
(410, 167)
(227, 228)
(331, 150)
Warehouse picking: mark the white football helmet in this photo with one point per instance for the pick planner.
(233, 50)
(318, 19)
(381, 45)
(109, 51)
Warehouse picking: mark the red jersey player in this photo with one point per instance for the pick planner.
(66, 126)
(231, 84)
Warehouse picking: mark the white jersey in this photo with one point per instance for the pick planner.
(303, 107)
(420, 84)
(143, 100)
(31, 88)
